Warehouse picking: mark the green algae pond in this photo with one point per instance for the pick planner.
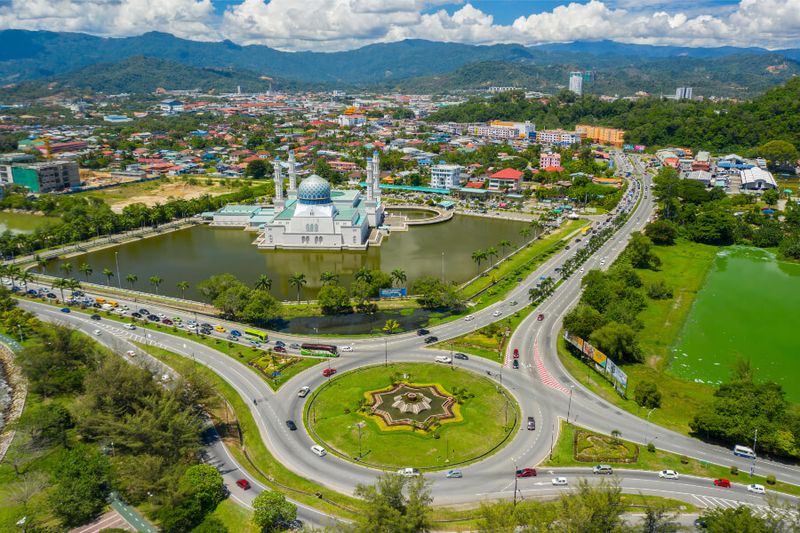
(746, 308)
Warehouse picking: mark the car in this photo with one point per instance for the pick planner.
(512, 302)
(153, 318)
(540, 317)
(515, 364)
(319, 450)
(462, 356)
(602, 469)
(294, 346)
(291, 425)
(97, 332)
(95, 317)
(497, 313)
(422, 331)
(162, 316)
(526, 472)
(559, 481)
(236, 333)
(243, 484)
(51, 296)
(279, 349)
(531, 423)
(65, 309)
(205, 325)
(582, 269)
(167, 322)
(346, 348)
(431, 339)
(755, 488)
(280, 343)
(668, 474)
(219, 329)
(566, 247)
(328, 372)
(700, 523)
(136, 315)
(469, 317)
(516, 353)
(443, 359)
(303, 392)
(144, 312)
(408, 472)
(232, 338)
(454, 474)
(722, 482)
(130, 327)
(130, 353)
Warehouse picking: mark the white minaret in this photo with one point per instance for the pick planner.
(279, 202)
(370, 187)
(376, 174)
(292, 173)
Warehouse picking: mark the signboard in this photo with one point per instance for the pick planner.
(617, 373)
(588, 350)
(398, 292)
(599, 358)
(639, 147)
(573, 340)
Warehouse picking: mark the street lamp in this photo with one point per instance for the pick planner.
(359, 425)
(650, 412)
(516, 480)
(386, 351)
(116, 261)
(569, 406)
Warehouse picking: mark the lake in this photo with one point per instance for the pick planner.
(747, 307)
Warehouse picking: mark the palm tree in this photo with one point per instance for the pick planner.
(73, 284)
(182, 286)
(491, 252)
(131, 279)
(525, 232)
(263, 283)
(25, 277)
(399, 275)
(41, 264)
(13, 272)
(363, 274)
(297, 280)
(155, 281)
(534, 294)
(478, 256)
(329, 278)
(61, 283)
(86, 269)
(66, 268)
(505, 243)
(391, 326)
(108, 273)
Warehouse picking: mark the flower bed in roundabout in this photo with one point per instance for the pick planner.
(419, 415)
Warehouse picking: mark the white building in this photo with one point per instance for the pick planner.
(576, 82)
(171, 106)
(445, 176)
(683, 93)
(350, 120)
(500, 129)
(557, 137)
(756, 179)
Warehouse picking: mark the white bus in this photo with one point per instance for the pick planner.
(744, 451)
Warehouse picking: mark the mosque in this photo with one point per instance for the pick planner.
(311, 215)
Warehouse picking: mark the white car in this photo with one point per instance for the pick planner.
(668, 474)
(408, 472)
(162, 316)
(130, 353)
(443, 359)
(303, 392)
(497, 313)
(319, 450)
(97, 332)
(559, 481)
(130, 327)
(757, 489)
(469, 317)
(346, 348)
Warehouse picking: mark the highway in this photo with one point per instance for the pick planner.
(541, 386)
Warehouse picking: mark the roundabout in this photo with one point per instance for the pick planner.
(420, 415)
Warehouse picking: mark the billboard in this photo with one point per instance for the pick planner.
(398, 292)
(573, 340)
(599, 358)
(588, 350)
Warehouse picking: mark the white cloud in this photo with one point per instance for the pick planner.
(330, 25)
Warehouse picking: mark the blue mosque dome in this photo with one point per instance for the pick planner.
(314, 190)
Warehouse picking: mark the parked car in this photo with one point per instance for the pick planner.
(167, 322)
(722, 482)
(153, 318)
(408, 472)
(531, 423)
(291, 425)
(328, 372)
(318, 450)
(279, 349)
(136, 315)
(454, 474)
(462, 356)
(144, 312)
(559, 481)
(303, 392)
(756, 489)
(243, 484)
(431, 339)
(668, 474)
(526, 472)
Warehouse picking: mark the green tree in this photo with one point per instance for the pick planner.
(86, 270)
(640, 253)
(204, 483)
(734, 520)
(478, 256)
(297, 280)
(183, 286)
(505, 243)
(618, 341)
(108, 273)
(81, 484)
(329, 278)
(391, 326)
(271, 511)
(156, 282)
(261, 309)
(779, 154)
(399, 275)
(432, 293)
(66, 268)
(47, 424)
(263, 283)
(582, 320)
(770, 197)
(394, 504)
(663, 232)
(334, 300)
(647, 394)
(258, 169)
(131, 279)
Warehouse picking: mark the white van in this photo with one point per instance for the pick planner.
(744, 451)
(408, 472)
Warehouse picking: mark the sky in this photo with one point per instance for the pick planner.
(333, 25)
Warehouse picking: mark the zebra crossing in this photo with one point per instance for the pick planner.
(710, 502)
(544, 374)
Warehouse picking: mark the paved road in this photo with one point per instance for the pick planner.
(541, 386)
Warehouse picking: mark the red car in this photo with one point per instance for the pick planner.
(328, 372)
(540, 317)
(526, 472)
(722, 482)
(243, 484)
(516, 353)
(279, 349)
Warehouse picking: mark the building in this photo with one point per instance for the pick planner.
(7, 161)
(508, 180)
(703, 176)
(494, 90)
(499, 129)
(170, 106)
(445, 176)
(351, 120)
(549, 160)
(601, 134)
(683, 93)
(47, 176)
(557, 137)
(756, 179)
(702, 161)
(576, 82)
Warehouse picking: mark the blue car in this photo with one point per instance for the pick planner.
(236, 333)
(454, 474)
(280, 344)
(65, 309)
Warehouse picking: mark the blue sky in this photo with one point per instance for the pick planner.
(330, 25)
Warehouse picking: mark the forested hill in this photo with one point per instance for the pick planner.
(653, 121)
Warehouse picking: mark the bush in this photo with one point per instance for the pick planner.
(770, 479)
(734, 470)
(658, 290)
(651, 447)
(684, 460)
(647, 395)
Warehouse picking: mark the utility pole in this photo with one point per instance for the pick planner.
(386, 351)
(516, 480)
(755, 440)
(569, 406)
(116, 261)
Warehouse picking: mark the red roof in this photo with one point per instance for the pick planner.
(474, 185)
(554, 169)
(507, 174)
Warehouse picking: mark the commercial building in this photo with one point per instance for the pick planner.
(576, 82)
(508, 180)
(756, 179)
(703, 176)
(171, 106)
(7, 161)
(601, 134)
(549, 160)
(446, 176)
(557, 137)
(683, 93)
(499, 129)
(702, 161)
(47, 176)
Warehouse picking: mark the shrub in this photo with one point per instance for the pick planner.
(658, 290)
(684, 460)
(770, 479)
(647, 394)
(734, 470)
(651, 447)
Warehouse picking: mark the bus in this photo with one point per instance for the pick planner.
(744, 451)
(255, 335)
(323, 350)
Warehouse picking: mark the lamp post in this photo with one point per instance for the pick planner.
(386, 351)
(516, 480)
(359, 425)
(650, 412)
(116, 262)
(569, 405)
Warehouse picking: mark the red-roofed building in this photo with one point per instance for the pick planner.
(474, 185)
(508, 179)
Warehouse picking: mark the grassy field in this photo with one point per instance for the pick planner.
(563, 455)
(487, 418)
(488, 342)
(151, 192)
(684, 267)
(235, 517)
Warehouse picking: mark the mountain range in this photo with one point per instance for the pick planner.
(141, 63)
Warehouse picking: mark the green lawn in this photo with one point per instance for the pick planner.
(235, 517)
(563, 455)
(482, 430)
(488, 342)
